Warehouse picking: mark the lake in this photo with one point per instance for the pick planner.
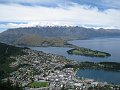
(110, 45)
(100, 75)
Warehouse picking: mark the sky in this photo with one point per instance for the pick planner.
(85, 13)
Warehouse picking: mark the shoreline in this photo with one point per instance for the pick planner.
(102, 81)
(76, 68)
(72, 47)
(42, 62)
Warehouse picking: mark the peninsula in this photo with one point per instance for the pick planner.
(88, 52)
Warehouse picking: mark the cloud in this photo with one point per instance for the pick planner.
(27, 1)
(45, 3)
(100, 4)
(81, 15)
(112, 3)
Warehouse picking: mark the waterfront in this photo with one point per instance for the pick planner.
(110, 45)
(100, 75)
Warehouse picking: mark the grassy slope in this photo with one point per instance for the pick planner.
(35, 40)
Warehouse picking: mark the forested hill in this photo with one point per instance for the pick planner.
(8, 50)
(42, 34)
(5, 52)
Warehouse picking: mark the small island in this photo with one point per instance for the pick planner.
(88, 52)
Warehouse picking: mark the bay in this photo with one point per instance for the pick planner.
(100, 75)
(109, 45)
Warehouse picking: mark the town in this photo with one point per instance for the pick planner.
(41, 71)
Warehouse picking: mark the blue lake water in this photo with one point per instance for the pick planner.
(110, 45)
(99, 75)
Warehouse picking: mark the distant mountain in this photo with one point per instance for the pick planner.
(38, 36)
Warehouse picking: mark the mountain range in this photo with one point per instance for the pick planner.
(52, 35)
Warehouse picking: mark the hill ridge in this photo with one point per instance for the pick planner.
(49, 33)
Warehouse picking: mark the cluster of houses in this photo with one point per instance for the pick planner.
(38, 66)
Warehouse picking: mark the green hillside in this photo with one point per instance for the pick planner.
(36, 40)
(5, 52)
